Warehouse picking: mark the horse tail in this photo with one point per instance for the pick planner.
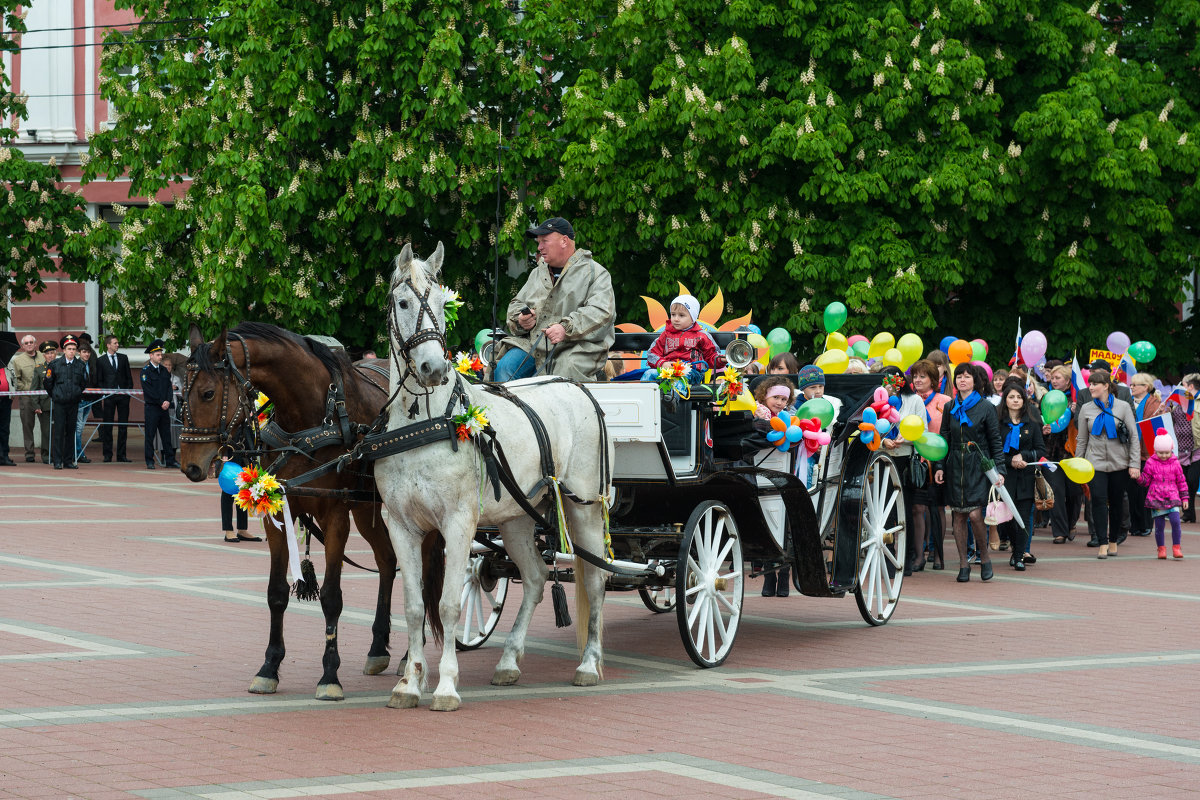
(433, 556)
(583, 612)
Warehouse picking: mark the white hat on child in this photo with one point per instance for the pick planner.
(690, 303)
(1164, 442)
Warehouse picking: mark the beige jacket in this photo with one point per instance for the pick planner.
(582, 302)
(25, 370)
(1108, 455)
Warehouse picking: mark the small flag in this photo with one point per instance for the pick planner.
(1149, 428)
(1016, 358)
(1125, 365)
(1078, 384)
(1184, 400)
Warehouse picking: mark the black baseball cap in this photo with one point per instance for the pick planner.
(552, 225)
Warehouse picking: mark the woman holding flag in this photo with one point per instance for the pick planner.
(1108, 438)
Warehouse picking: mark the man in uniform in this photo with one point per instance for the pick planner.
(28, 368)
(156, 390)
(562, 319)
(65, 380)
(112, 372)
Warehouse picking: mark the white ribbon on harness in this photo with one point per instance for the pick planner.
(290, 532)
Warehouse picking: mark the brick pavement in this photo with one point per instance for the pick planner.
(129, 632)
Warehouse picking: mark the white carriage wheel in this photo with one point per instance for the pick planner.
(709, 584)
(660, 600)
(482, 602)
(881, 541)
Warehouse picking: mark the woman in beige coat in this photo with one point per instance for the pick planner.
(1108, 438)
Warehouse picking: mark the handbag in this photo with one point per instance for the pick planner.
(997, 509)
(1043, 494)
(918, 472)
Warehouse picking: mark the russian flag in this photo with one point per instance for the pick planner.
(1184, 400)
(1126, 366)
(1149, 428)
(1078, 384)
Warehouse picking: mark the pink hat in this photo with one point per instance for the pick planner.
(779, 390)
(1164, 442)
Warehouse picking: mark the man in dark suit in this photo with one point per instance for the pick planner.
(65, 380)
(156, 390)
(112, 372)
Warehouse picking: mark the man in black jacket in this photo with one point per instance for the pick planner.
(65, 381)
(156, 390)
(112, 372)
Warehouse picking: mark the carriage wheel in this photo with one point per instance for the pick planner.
(881, 541)
(709, 584)
(660, 600)
(482, 602)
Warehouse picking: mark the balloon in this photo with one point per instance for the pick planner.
(881, 344)
(835, 316)
(779, 341)
(944, 346)
(794, 434)
(1143, 351)
(1059, 425)
(754, 329)
(883, 426)
(911, 348)
(893, 358)
(835, 341)
(743, 402)
(911, 427)
(832, 362)
(227, 477)
(932, 446)
(986, 369)
(756, 340)
(856, 338)
(818, 407)
(1079, 470)
(483, 337)
(959, 352)
(861, 349)
(979, 350)
(1117, 342)
(1033, 347)
(1054, 403)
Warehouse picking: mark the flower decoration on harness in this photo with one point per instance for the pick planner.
(451, 307)
(733, 382)
(672, 376)
(472, 421)
(467, 364)
(263, 408)
(259, 492)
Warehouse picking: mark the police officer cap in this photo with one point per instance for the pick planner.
(48, 346)
(68, 339)
(156, 346)
(552, 225)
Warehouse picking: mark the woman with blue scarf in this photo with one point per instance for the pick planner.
(1108, 437)
(971, 430)
(1023, 447)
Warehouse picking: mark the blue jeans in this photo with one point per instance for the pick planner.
(510, 368)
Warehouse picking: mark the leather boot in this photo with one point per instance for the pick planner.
(769, 581)
(782, 584)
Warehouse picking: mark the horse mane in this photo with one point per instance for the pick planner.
(337, 363)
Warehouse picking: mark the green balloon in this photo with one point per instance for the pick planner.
(1143, 351)
(835, 316)
(817, 407)
(779, 341)
(978, 351)
(1054, 403)
(482, 338)
(932, 446)
(860, 350)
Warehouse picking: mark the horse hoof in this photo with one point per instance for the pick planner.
(403, 701)
(261, 685)
(505, 677)
(449, 702)
(376, 665)
(583, 678)
(330, 691)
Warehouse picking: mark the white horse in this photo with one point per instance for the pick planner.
(437, 488)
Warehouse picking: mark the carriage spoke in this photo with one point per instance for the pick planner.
(723, 600)
(708, 626)
(720, 559)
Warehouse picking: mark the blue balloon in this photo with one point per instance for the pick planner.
(754, 329)
(775, 436)
(795, 434)
(945, 345)
(1059, 425)
(869, 416)
(227, 477)
(883, 426)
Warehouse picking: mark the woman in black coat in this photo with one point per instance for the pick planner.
(971, 429)
(1023, 446)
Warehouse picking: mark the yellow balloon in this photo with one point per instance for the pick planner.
(892, 358)
(912, 427)
(911, 348)
(743, 402)
(880, 345)
(835, 341)
(1079, 470)
(757, 340)
(833, 362)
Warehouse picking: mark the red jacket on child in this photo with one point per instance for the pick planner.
(691, 345)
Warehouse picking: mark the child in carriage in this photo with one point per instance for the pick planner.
(773, 394)
(684, 339)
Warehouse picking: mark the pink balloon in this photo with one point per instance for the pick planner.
(1033, 347)
(1117, 342)
(855, 339)
(984, 367)
(982, 342)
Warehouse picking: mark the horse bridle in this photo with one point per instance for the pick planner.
(421, 335)
(223, 434)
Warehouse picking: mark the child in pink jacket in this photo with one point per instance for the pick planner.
(1166, 493)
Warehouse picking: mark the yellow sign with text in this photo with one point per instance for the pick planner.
(1113, 359)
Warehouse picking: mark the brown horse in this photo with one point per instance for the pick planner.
(299, 375)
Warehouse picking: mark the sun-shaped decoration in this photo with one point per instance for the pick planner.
(710, 316)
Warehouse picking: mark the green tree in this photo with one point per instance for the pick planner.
(932, 165)
(38, 216)
(318, 137)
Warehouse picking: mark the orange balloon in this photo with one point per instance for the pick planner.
(960, 352)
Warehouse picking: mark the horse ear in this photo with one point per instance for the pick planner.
(195, 339)
(434, 263)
